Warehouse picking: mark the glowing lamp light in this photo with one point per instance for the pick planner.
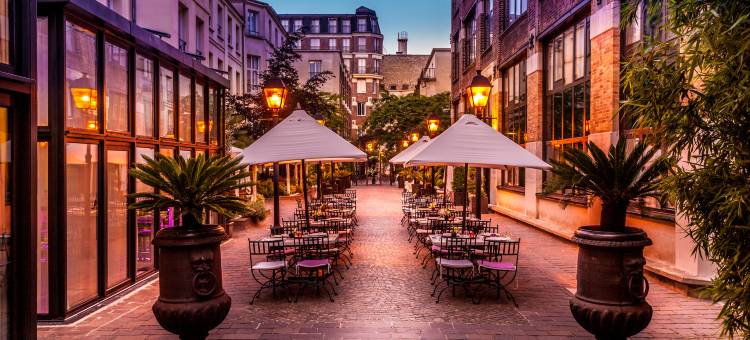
(84, 98)
(433, 123)
(478, 91)
(201, 126)
(275, 93)
(414, 137)
(405, 143)
(319, 118)
(370, 147)
(91, 124)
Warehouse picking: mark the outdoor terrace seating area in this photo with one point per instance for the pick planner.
(307, 251)
(463, 252)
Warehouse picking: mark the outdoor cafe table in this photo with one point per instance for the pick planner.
(457, 221)
(478, 239)
(289, 241)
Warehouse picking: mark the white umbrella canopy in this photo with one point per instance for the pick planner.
(471, 141)
(402, 156)
(299, 137)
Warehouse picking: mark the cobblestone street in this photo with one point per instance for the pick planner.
(386, 294)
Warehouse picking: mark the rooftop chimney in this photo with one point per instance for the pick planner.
(402, 39)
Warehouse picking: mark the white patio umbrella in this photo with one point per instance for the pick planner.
(299, 137)
(411, 150)
(471, 142)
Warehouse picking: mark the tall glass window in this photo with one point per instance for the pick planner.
(186, 109)
(116, 88)
(117, 217)
(4, 32)
(42, 70)
(200, 114)
(80, 78)
(81, 163)
(168, 216)
(42, 227)
(567, 109)
(144, 96)
(166, 103)
(145, 225)
(5, 217)
(213, 116)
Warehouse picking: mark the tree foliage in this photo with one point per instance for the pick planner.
(694, 92)
(394, 117)
(249, 117)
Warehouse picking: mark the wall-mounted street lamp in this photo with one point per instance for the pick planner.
(275, 92)
(370, 146)
(478, 94)
(479, 91)
(405, 143)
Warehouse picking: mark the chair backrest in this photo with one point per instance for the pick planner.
(477, 226)
(273, 250)
(438, 226)
(311, 246)
(454, 248)
(499, 250)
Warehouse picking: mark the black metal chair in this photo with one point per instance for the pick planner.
(313, 265)
(269, 271)
(454, 265)
(499, 267)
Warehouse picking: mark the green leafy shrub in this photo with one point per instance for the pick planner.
(265, 187)
(256, 210)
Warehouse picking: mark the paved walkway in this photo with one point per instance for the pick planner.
(387, 295)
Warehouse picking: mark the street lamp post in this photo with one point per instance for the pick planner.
(275, 93)
(478, 94)
(433, 124)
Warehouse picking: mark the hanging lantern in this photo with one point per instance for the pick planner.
(433, 123)
(414, 137)
(479, 91)
(275, 93)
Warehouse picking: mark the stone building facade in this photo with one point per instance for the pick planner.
(358, 38)
(317, 61)
(555, 68)
(436, 73)
(401, 72)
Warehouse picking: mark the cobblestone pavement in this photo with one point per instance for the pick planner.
(386, 294)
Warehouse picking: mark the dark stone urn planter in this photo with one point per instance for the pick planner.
(610, 301)
(191, 300)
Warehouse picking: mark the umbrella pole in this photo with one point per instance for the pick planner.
(320, 180)
(304, 190)
(466, 191)
(333, 181)
(478, 193)
(276, 208)
(445, 186)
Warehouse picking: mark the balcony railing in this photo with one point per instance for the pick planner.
(367, 70)
(182, 45)
(429, 73)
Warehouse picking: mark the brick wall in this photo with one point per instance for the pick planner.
(605, 80)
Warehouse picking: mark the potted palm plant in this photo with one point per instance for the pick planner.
(610, 301)
(191, 299)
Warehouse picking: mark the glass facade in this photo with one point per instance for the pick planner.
(118, 103)
(5, 226)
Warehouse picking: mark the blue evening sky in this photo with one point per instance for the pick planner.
(427, 21)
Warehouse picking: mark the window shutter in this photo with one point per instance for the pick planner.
(485, 34)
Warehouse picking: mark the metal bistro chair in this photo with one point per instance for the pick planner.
(313, 266)
(270, 272)
(477, 226)
(499, 267)
(454, 265)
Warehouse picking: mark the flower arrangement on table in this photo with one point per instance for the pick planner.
(444, 213)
